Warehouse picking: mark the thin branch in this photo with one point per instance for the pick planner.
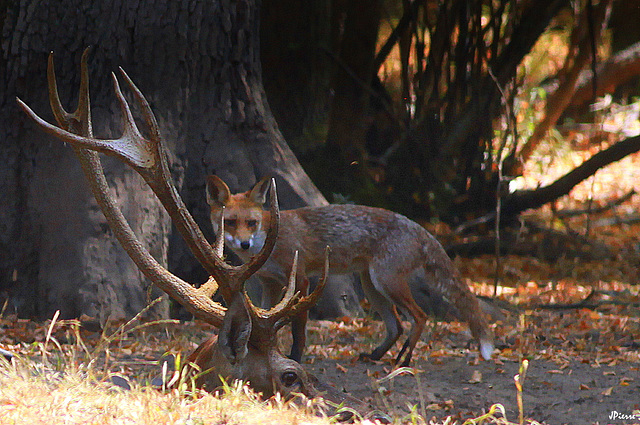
(512, 127)
(403, 24)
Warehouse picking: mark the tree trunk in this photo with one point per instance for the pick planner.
(198, 64)
(355, 32)
(296, 69)
(353, 76)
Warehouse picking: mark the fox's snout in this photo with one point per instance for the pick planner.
(251, 244)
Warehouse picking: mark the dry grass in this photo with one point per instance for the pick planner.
(62, 378)
(40, 392)
(54, 383)
(59, 388)
(33, 393)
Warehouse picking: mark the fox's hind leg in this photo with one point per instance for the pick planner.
(387, 311)
(392, 285)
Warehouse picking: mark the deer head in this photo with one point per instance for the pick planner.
(246, 346)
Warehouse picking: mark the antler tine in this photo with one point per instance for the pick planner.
(59, 113)
(147, 112)
(290, 295)
(227, 286)
(267, 318)
(131, 146)
(310, 300)
(82, 115)
(74, 139)
(219, 247)
(290, 305)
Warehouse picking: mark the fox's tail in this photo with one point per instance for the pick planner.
(446, 281)
(459, 307)
(466, 303)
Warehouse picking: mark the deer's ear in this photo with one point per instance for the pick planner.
(233, 338)
(218, 192)
(259, 192)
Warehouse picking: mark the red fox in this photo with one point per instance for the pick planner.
(383, 246)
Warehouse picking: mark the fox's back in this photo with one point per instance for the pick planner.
(356, 234)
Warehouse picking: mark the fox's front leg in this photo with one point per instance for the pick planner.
(299, 322)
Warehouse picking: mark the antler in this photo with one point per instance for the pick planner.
(197, 302)
(148, 158)
(244, 328)
(291, 304)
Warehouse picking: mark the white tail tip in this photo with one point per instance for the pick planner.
(486, 349)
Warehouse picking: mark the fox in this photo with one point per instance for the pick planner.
(384, 247)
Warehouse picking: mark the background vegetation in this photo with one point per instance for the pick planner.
(433, 108)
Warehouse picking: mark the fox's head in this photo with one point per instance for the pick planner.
(244, 214)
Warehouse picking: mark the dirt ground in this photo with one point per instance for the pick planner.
(577, 394)
(583, 366)
(561, 386)
(575, 375)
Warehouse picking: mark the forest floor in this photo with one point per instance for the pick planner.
(575, 322)
(583, 364)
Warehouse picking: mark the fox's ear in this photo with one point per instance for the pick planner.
(259, 192)
(218, 192)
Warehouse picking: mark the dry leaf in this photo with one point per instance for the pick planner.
(476, 377)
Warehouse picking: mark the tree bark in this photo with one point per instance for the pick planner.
(352, 78)
(198, 64)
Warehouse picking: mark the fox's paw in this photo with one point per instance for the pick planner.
(364, 357)
(368, 357)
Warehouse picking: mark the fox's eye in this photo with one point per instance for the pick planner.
(252, 223)
(232, 222)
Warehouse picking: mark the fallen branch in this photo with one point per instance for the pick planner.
(562, 306)
(597, 210)
(613, 221)
(540, 242)
(587, 303)
(467, 225)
